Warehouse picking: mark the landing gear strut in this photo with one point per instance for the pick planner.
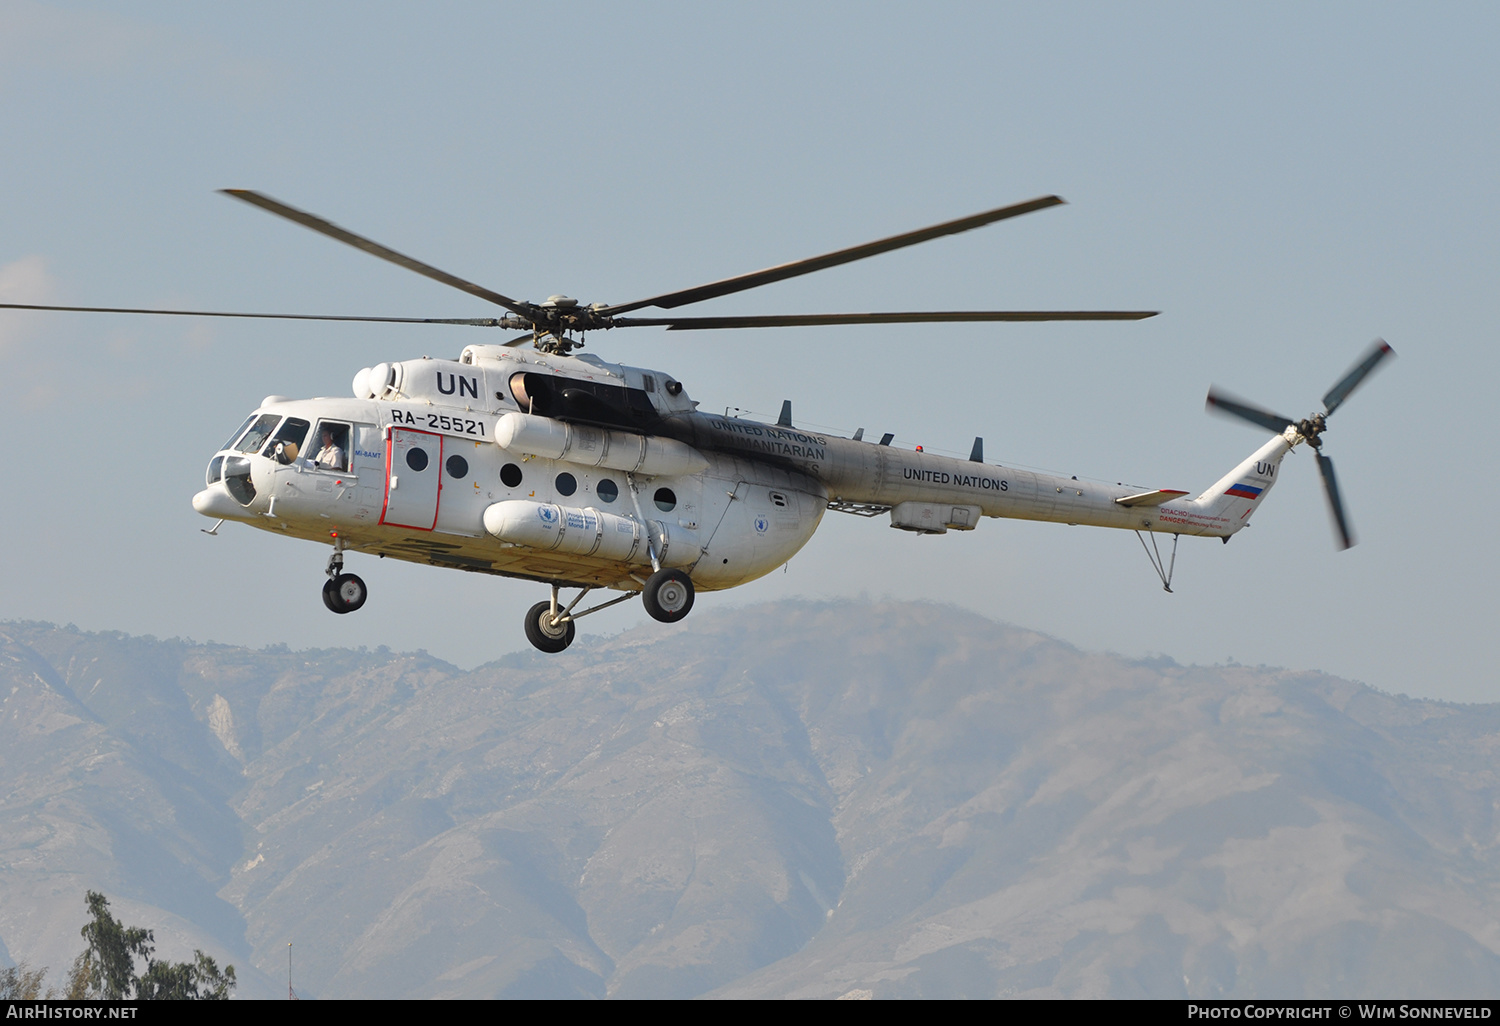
(342, 593)
(550, 627)
(668, 594)
(547, 630)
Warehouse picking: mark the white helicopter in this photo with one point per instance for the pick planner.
(577, 473)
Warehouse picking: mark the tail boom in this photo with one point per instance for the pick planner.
(1218, 512)
(860, 473)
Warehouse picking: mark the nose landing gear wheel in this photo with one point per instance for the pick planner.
(544, 632)
(344, 593)
(668, 595)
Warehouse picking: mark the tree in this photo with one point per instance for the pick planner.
(106, 968)
(112, 950)
(76, 984)
(198, 980)
(21, 983)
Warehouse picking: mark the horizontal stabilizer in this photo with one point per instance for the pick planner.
(1155, 498)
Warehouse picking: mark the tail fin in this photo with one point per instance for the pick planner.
(1229, 502)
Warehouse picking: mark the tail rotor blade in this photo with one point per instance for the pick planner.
(1225, 403)
(1378, 351)
(1335, 502)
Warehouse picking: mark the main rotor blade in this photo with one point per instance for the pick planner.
(375, 249)
(1378, 351)
(1223, 402)
(478, 322)
(933, 317)
(1335, 502)
(780, 272)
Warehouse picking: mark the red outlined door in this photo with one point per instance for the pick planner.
(413, 478)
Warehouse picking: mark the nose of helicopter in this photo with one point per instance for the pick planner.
(214, 501)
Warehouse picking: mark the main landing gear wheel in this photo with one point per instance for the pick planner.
(668, 595)
(345, 593)
(546, 632)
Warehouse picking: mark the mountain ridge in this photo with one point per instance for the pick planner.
(805, 799)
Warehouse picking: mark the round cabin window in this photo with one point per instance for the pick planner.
(666, 500)
(607, 490)
(416, 459)
(458, 467)
(567, 484)
(510, 475)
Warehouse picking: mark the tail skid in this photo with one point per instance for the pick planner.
(1219, 511)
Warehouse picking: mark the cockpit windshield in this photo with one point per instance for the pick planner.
(258, 433)
(238, 431)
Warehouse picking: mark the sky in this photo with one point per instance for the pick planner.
(1285, 182)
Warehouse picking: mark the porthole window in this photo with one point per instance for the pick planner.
(458, 467)
(510, 475)
(567, 484)
(666, 500)
(607, 490)
(416, 459)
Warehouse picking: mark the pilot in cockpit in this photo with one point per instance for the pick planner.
(330, 455)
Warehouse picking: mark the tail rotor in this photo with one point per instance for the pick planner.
(1311, 428)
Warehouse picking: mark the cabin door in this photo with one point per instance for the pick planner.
(413, 480)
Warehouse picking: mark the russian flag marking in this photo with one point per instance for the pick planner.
(1244, 491)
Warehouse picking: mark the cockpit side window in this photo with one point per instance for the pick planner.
(287, 443)
(258, 433)
(331, 441)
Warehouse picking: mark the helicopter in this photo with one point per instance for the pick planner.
(529, 459)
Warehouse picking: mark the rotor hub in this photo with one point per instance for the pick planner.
(1310, 428)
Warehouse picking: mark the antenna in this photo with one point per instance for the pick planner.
(291, 995)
